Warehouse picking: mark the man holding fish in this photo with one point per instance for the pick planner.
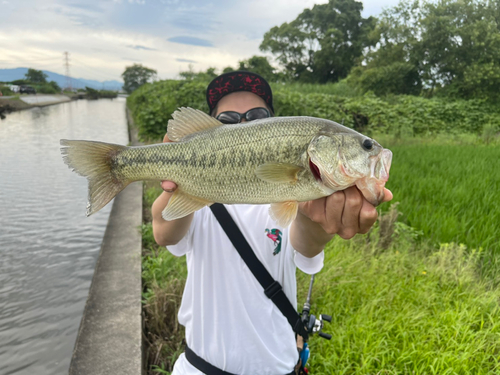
(229, 322)
(288, 184)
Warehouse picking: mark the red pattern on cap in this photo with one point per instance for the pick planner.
(238, 82)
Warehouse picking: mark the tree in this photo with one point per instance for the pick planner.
(396, 78)
(36, 76)
(451, 45)
(259, 65)
(55, 86)
(137, 75)
(323, 43)
(191, 75)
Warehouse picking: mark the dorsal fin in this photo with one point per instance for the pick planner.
(188, 121)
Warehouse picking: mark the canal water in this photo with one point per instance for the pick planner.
(48, 247)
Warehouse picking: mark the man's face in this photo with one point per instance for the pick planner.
(240, 101)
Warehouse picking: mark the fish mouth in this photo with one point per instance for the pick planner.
(381, 166)
(372, 187)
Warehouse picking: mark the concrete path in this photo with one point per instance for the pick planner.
(110, 336)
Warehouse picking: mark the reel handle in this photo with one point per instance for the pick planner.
(325, 335)
(328, 318)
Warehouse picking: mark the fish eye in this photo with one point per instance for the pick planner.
(368, 144)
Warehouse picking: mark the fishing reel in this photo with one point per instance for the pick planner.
(313, 324)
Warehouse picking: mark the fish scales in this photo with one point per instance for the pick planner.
(219, 164)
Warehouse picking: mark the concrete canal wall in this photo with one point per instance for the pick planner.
(11, 104)
(110, 336)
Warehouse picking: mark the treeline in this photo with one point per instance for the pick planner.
(419, 47)
(91, 93)
(404, 115)
(38, 80)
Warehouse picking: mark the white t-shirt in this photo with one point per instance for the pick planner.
(229, 321)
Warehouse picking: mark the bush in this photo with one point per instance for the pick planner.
(47, 88)
(6, 91)
(152, 104)
(397, 78)
(400, 115)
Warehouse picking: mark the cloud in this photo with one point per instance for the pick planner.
(191, 41)
(187, 60)
(142, 47)
(85, 7)
(104, 36)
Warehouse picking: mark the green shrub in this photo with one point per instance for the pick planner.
(153, 104)
(6, 91)
(396, 78)
(401, 115)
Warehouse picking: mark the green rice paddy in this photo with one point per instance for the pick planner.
(451, 192)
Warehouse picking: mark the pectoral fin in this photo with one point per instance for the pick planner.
(278, 172)
(181, 204)
(284, 213)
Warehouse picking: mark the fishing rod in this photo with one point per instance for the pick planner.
(313, 324)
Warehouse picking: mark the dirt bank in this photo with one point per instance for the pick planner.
(10, 105)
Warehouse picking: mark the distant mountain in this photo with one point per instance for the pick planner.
(9, 75)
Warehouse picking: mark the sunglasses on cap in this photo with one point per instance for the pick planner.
(232, 117)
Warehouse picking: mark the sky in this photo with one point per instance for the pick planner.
(103, 37)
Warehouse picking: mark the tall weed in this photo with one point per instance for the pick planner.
(405, 309)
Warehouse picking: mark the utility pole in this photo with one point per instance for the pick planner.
(66, 66)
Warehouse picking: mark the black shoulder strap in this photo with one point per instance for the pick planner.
(272, 288)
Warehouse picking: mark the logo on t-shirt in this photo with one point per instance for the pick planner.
(275, 235)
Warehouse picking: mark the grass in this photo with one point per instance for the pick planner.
(449, 191)
(163, 278)
(417, 295)
(408, 309)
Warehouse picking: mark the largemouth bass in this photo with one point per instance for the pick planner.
(278, 160)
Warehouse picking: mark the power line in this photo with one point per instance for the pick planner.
(81, 65)
(66, 65)
(22, 61)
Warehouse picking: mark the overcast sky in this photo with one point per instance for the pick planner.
(104, 36)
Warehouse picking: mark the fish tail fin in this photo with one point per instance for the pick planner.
(94, 160)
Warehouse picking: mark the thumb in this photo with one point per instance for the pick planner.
(168, 186)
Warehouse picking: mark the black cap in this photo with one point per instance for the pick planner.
(240, 80)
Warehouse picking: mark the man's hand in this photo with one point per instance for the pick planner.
(168, 232)
(345, 213)
(168, 186)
